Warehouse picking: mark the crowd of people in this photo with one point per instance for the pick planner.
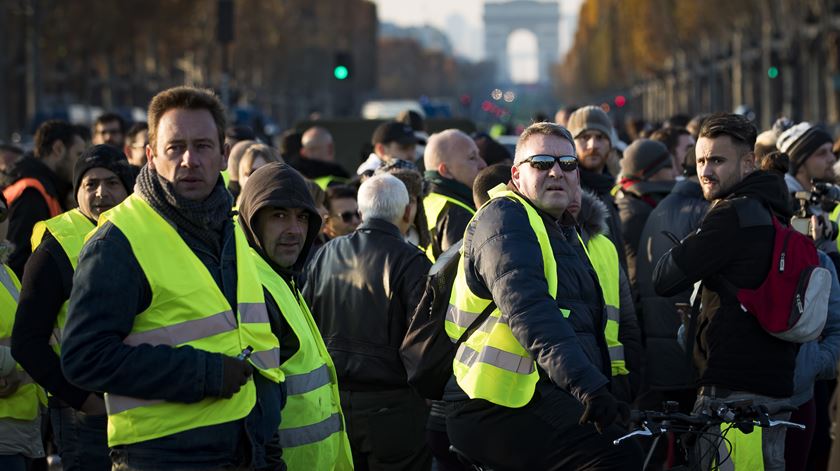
(179, 295)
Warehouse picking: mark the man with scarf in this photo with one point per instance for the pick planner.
(452, 162)
(167, 316)
(592, 128)
(280, 221)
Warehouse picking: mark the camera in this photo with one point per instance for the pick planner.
(821, 193)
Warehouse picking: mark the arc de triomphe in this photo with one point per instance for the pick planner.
(503, 18)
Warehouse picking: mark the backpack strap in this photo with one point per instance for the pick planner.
(476, 323)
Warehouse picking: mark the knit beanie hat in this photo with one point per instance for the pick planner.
(107, 157)
(590, 117)
(800, 141)
(644, 158)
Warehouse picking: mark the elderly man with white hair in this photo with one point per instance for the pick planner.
(362, 289)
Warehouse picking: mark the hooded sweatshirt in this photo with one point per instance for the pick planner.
(734, 241)
(278, 185)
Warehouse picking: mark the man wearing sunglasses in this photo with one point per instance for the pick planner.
(343, 217)
(534, 376)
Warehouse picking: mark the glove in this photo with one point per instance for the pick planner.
(235, 374)
(601, 409)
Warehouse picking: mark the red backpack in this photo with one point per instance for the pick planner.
(792, 302)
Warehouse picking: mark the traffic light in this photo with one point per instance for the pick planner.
(343, 68)
(773, 72)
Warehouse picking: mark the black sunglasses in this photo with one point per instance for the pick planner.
(348, 216)
(543, 162)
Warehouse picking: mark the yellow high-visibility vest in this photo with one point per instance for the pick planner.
(433, 205)
(187, 308)
(312, 432)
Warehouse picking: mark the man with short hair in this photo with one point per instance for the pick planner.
(102, 179)
(279, 218)
(136, 141)
(677, 140)
(452, 162)
(167, 316)
(391, 140)
(317, 158)
(488, 179)
(811, 159)
(736, 358)
(342, 211)
(363, 289)
(109, 128)
(535, 376)
(647, 176)
(41, 185)
(592, 128)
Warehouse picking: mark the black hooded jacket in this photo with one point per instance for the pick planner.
(363, 288)
(30, 207)
(601, 184)
(735, 240)
(279, 185)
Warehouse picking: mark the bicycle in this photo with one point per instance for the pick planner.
(724, 417)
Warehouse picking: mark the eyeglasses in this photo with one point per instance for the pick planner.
(348, 216)
(543, 162)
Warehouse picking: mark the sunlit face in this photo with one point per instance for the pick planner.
(593, 149)
(819, 166)
(721, 164)
(465, 162)
(549, 190)
(343, 217)
(135, 149)
(188, 152)
(282, 233)
(99, 191)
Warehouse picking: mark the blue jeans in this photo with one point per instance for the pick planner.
(82, 439)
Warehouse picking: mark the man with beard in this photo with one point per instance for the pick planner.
(736, 358)
(103, 179)
(592, 128)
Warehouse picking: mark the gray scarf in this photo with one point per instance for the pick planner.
(204, 220)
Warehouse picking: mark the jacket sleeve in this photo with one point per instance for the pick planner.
(452, 226)
(109, 289)
(413, 283)
(629, 333)
(830, 339)
(504, 261)
(42, 294)
(700, 255)
(24, 212)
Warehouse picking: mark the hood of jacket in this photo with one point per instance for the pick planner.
(767, 187)
(593, 215)
(277, 185)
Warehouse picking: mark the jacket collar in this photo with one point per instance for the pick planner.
(380, 225)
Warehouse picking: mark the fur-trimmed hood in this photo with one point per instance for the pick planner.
(593, 215)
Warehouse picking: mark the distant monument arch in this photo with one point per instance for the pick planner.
(503, 18)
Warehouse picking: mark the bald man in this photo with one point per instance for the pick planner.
(317, 158)
(452, 161)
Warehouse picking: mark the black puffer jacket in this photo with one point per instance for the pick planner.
(362, 289)
(452, 220)
(502, 259)
(680, 213)
(635, 202)
(735, 241)
(601, 184)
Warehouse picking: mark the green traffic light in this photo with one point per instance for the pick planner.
(340, 72)
(773, 72)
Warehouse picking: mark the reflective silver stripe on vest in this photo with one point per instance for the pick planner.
(307, 434)
(612, 313)
(55, 338)
(303, 383)
(616, 353)
(6, 279)
(464, 319)
(253, 313)
(184, 332)
(115, 404)
(498, 358)
(266, 359)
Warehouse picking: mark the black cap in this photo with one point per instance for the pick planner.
(107, 157)
(393, 131)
